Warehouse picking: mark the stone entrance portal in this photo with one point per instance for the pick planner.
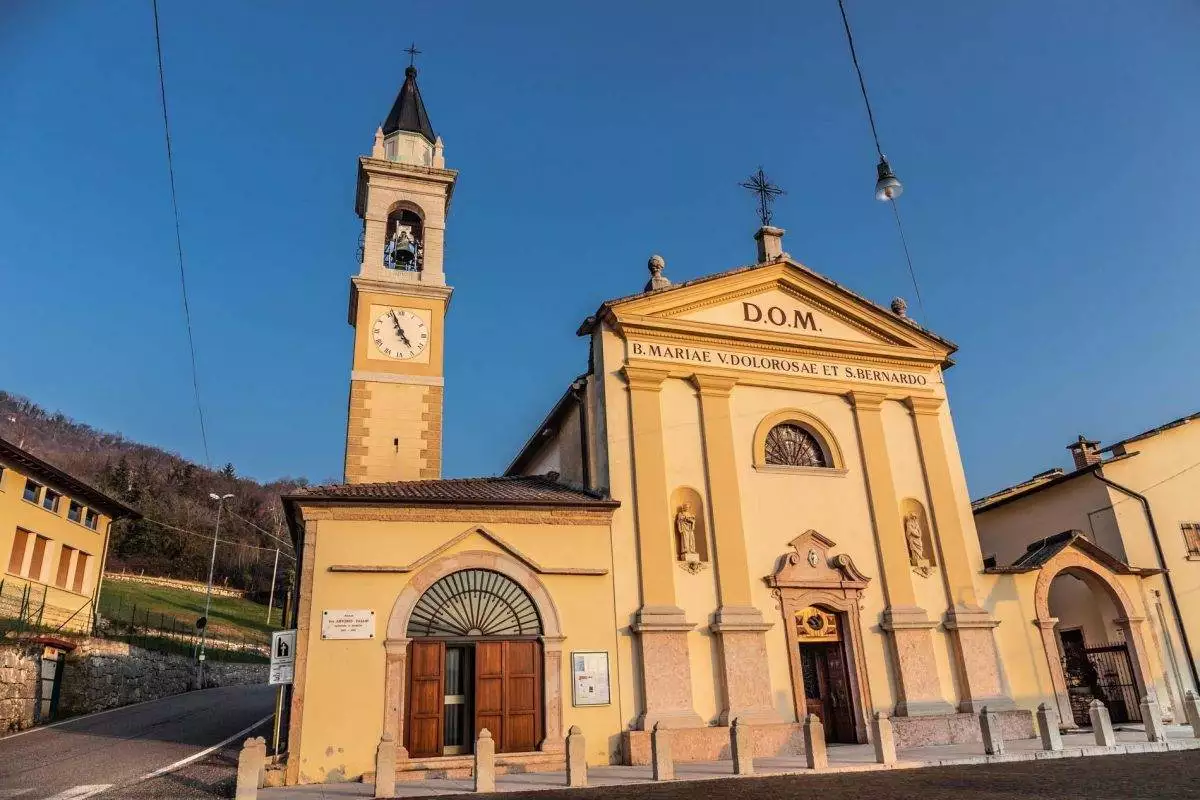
(474, 642)
(819, 597)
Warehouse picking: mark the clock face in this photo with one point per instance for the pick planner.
(400, 334)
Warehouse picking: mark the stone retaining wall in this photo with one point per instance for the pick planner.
(200, 587)
(18, 686)
(101, 674)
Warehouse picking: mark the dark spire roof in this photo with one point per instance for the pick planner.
(408, 112)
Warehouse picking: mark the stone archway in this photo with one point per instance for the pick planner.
(1098, 569)
(396, 643)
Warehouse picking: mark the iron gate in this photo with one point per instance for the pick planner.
(1102, 673)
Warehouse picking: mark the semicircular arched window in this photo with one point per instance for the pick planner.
(790, 445)
(474, 602)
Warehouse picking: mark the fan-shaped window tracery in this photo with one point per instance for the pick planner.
(474, 602)
(790, 445)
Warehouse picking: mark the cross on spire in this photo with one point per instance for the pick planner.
(766, 191)
(413, 52)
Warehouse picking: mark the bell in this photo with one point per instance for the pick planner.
(888, 187)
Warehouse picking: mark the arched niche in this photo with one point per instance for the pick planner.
(918, 536)
(685, 497)
(810, 425)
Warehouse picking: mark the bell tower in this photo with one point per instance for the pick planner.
(398, 299)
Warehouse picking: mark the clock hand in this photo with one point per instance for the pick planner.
(400, 330)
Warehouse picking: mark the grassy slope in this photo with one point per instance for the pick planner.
(228, 615)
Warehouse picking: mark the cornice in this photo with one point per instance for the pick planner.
(364, 283)
(792, 279)
(381, 166)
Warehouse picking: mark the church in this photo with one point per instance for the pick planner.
(749, 505)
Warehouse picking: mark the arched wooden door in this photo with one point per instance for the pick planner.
(475, 662)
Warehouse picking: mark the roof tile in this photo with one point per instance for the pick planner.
(508, 490)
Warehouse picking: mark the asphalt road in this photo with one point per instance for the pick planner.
(112, 754)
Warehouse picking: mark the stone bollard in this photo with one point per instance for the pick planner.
(1191, 709)
(251, 769)
(662, 768)
(1047, 719)
(385, 767)
(814, 743)
(1156, 731)
(884, 738)
(485, 762)
(576, 759)
(1102, 724)
(741, 745)
(993, 737)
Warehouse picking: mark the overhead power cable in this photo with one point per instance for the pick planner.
(208, 538)
(187, 313)
(888, 187)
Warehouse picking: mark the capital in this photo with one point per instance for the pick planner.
(645, 379)
(925, 405)
(713, 385)
(866, 401)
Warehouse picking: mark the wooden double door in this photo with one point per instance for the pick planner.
(457, 688)
(827, 689)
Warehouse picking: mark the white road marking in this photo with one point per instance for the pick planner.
(183, 762)
(69, 720)
(5, 793)
(80, 792)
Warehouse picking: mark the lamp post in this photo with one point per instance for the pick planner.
(208, 592)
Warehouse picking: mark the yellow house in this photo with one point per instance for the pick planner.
(54, 532)
(1135, 502)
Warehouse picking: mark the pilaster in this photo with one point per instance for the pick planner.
(1058, 680)
(394, 679)
(972, 641)
(660, 625)
(908, 625)
(739, 626)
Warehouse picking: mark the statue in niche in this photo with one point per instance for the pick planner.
(915, 536)
(685, 532)
(685, 529)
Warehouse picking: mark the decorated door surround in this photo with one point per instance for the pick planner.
(810, 577)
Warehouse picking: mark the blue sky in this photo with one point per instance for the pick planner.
(1048, 152)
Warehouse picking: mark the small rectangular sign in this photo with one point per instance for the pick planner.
(283, 657)
(354, 623)
(589, 679)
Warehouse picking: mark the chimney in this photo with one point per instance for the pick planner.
(770, 243)
(1085, 452)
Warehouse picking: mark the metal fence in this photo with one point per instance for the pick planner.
(24, 610)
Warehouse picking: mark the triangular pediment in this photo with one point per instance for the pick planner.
(782, 302)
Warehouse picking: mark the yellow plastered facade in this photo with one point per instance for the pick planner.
(1157, 466)
(67, 574)
(683, 388)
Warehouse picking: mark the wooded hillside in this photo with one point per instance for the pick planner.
(169, 491)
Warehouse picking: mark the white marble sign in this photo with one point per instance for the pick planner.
(589, 677)
(355, 623)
